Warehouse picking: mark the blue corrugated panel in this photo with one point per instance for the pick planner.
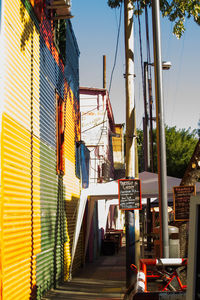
(47, 112)
(72, 61)
(85, 160)
(77, 160)
(48, 65)
(60, 82)
(51, 69)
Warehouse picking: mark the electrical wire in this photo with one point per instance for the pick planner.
(116, 49)
(115, 59)
(114, 65)
(141, 52)
(87, 112)
(147, 37)
(101, 130)
(121, 47)
(93, 126)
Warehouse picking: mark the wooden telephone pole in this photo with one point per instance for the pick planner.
(131, 217)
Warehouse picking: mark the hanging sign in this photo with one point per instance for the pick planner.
(129, 193)
(182, 201)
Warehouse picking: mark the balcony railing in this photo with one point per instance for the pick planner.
(62, 9)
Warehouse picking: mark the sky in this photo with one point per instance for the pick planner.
(96, 27)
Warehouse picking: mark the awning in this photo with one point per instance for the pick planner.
(109, 190)
(149, 187)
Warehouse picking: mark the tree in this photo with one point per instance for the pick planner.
(198, 129)
(176, 11)
(180, 146)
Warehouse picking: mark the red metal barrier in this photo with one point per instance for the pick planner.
(160, 273)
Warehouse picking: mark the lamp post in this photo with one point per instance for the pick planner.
(161, 147)
(148, 163)
(148, 119)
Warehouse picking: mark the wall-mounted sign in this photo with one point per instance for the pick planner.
(182, 196)
(129, 193)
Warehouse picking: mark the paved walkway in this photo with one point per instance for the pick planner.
(103, 279)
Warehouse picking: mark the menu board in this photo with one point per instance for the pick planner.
(129, 192)
(182, 201)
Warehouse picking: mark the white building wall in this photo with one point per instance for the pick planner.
(95, 132)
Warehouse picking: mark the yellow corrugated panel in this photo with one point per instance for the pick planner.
(22, 64)
(36, 197)
(78, 259)
(22, 77)
(20, 198)
(36, 80)
(16, 210)
(70, 181)
(19, 234)
(67, 257)
(36, 230)
(70, 131)
(20, 21)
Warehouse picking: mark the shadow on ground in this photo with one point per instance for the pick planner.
(103, 279)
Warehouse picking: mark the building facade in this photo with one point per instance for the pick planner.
(118, 152)
(104, 139)
(97, 129)
(39, 128)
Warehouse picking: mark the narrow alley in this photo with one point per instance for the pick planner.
(103, 279)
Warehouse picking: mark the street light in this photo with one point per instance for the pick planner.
(148, 149)
(161, 146)
(166, 65)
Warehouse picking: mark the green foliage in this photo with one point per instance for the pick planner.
(140, 143)
(114, 3)
(198, 130)
(176, 11)
(180, 146)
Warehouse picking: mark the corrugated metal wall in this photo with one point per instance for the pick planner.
(38, 207)
(20, 203)
(72, 182)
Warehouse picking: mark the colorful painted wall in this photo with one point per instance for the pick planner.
(37, 205)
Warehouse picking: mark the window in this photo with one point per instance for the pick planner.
(60, 135)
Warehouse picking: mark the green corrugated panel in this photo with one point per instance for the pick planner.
(50, 261)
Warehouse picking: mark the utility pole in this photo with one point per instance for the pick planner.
(161, 147)
(146, 150)
(130, 219)
(104, 72)
(146, 120)
(151, 123)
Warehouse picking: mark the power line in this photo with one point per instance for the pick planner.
(116, 49)
(141, 54)
(147, 37)
(115, 59)
(93, 126)
(87, 112)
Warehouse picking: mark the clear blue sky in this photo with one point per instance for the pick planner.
(96, 25)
